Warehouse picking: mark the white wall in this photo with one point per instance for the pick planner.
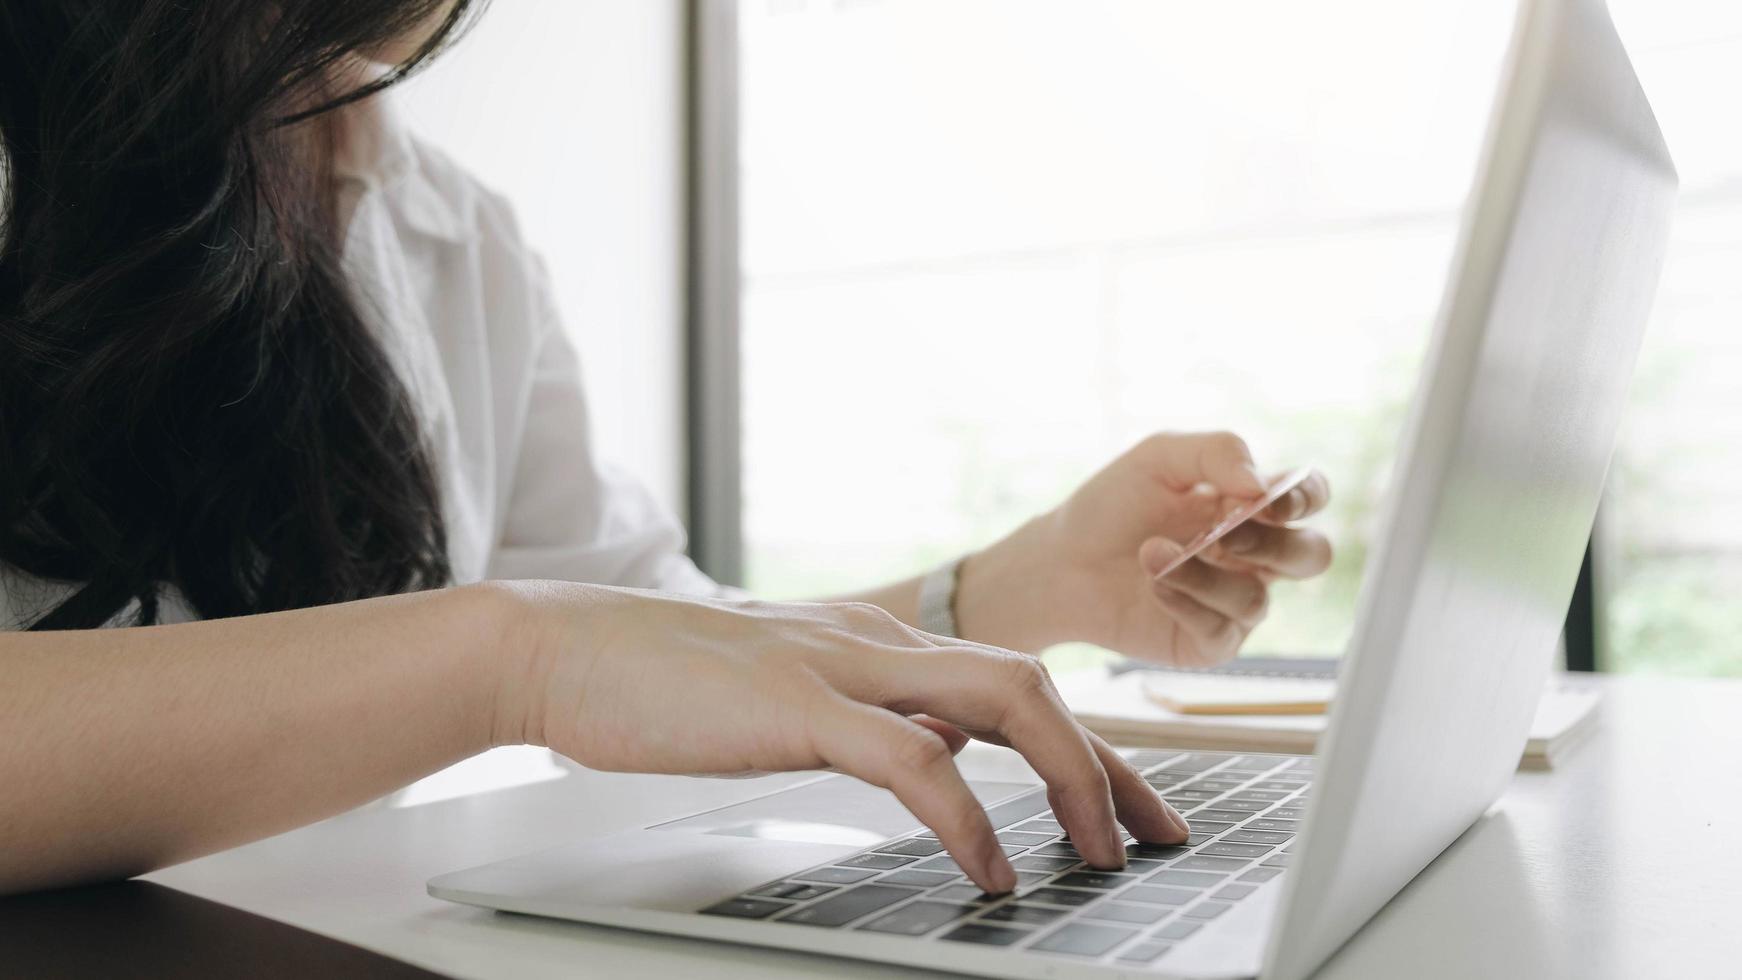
(575, 110)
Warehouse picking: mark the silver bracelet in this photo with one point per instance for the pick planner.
(937, 598)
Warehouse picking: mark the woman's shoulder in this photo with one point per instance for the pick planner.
(483, 213)
(425, 187)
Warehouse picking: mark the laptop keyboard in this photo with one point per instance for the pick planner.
(1244, 810)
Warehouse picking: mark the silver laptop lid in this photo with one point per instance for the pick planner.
(1497, 484)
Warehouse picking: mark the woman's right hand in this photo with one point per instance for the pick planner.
(626, 680)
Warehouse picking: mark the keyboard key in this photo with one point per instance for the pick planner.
(879, 862)
(1272, 823)
(919, 879)
(1160, 852)
(1123, 912)
(1206, 910)
(1223, 849)
(1061, 896)
(1139, 866)
(792, 891)
(1031, 915)
(1188, 879)
(1195, 838)
(1260, 874)
(1258, 837)
(974, 932)
(1196, 762)
(1264, 795)
(1149, 758)
(940, 864)
(913, 847)
(1234, 893)
(1218, 815)
(1287, 813)
(1036, 863)
(1023, 840)
(1144, 953)
(917, 918)
(1060, 849)
(1208, 826)
(1249, 806)
(1277, 861)
(835, 876)
(1094, 879)
(1252, 763)
(1082, 939)
(853, 903)
(1052, 827)
(1199, 863)
(1025, 879)
(1156, 895)
(1015, 811)
(746, 908)
(1176, 930)
(960, 893)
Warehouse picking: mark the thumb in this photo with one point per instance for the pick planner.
(1157, 553)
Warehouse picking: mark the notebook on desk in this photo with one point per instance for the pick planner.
(1129, 706)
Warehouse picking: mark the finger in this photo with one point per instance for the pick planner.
(913, 762)
(983, 689)
(1303, 501)
(954, 737)
(1237, 595)
(1141, 809)
(1289, 552)
(1184, 460)
(1217, 637)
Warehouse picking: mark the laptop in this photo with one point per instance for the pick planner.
(1494, 494)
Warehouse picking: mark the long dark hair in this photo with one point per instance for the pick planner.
(188, 395)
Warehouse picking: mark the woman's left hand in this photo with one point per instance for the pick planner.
(1086, 570)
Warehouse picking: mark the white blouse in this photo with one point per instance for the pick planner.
(465, 311)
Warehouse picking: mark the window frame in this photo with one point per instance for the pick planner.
(713, 362)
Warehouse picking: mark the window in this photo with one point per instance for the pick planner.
(1671, 536)
(988, 244)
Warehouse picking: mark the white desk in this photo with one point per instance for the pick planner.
(1626, 862)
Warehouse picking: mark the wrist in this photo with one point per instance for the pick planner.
(1005, 594)
(510, 646)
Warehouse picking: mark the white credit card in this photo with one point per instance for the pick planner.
(1288, 481)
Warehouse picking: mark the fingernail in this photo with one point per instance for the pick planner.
(1158, 553)
(1178, 821)
(1117, 841)
(1299, 509)
(1239, 542)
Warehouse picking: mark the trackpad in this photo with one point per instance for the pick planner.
(836, 810)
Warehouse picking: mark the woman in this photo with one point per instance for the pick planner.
(297, 503)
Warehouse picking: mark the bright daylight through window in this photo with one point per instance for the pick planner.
(988, 244)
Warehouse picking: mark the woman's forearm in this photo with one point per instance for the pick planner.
(128, 749)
